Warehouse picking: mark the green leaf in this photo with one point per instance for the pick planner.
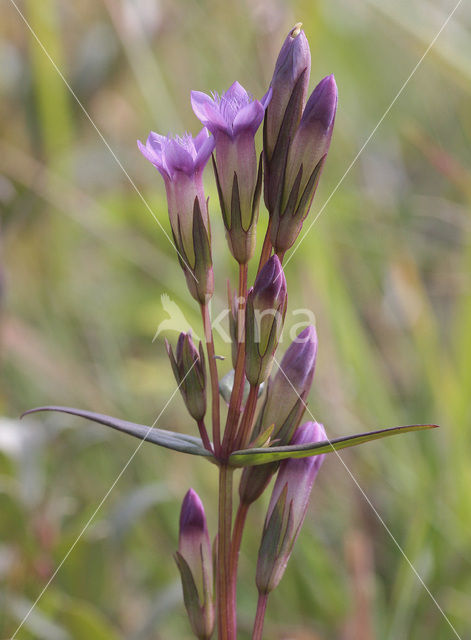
(251, 457)
(168, 439)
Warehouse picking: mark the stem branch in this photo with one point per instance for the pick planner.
(238, 386)
(213, 372)
(260, 616)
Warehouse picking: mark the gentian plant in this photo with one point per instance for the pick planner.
(260, 430)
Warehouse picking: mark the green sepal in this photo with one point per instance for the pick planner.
(161, 437)
(195, 609)
(250, 457)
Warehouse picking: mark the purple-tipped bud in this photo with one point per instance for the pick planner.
(233, 118)
(194, 560)
(264, 317)
(291, 383)
(289, 87)
(306, 158)
(287, 509)
(181, 161)
(283, 408)
(189, 369)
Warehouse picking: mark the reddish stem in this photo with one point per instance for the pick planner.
(243, 435)
(260, 616)
(266, 249)
(235, 402)
(204, 435)
(225, 605)
(213, 372)
(235, 547)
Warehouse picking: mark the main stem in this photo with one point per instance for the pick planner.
(225, 605)
(213, 373)
(260, 616)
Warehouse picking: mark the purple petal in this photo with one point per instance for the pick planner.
(153, 156)
(236, 93)
(178, 158)
(201, 138)
(204, 152)
(249, 117)
(156, 141)
(266, 98)
(207, 111)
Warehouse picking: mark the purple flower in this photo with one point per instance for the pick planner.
(264, 317)
(232, 113)
(233, 118)
(181, 161)
(287, 509)
(305, 160)
(194, 560)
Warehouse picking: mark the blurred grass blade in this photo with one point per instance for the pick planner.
(251, 457)
(162, 437)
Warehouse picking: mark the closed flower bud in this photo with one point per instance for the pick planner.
(306, 157)
(264, 317)
(181, 161)
(233, 118)
(289, 91)
(287, 509)
(190, 373)
(283, 408)
(194, 560)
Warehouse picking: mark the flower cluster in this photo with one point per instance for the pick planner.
(296, 136)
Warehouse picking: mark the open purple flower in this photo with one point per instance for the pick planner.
(233, 112)
(181, 161)
(233, 118)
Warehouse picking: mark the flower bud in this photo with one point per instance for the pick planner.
(306, 157)
(181, 161)
(287, 509)
(264, 317)
(189, 369)
(233, 118)
(194, 561)
(289, 87)
(283, 408)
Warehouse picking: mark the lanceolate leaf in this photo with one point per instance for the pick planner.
(251, 457)
(161, 437)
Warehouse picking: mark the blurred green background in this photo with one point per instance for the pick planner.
(386, 270)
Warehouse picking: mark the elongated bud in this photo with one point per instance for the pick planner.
(194, 561)
(283, 408)
(287, 509)
(234, 118)
(306, 158)
(264, 317)
(189, 369)
(289, 87)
